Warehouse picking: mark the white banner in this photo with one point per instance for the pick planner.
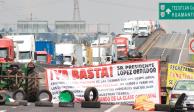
(117, 83)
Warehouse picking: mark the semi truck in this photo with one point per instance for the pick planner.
(43, 57)
(145, 28)
(69, 54)
(26, 46)
(122, 47)
(45, 51)
(140, 28)
(6, 50)
(131, 27)
(104, 50)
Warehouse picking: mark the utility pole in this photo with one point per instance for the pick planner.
(76, 13)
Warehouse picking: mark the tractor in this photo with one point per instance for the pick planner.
(14, 76)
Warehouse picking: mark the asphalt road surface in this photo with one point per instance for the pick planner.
(77, 108)
(174, 45)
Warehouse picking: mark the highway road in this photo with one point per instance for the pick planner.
(174, 45)
(77, 108)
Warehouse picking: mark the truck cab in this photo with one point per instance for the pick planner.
(122, 44)
(43, 57)
(145, 28)
(47, 48)
(26, 46)
(6, 50)
(143, 31)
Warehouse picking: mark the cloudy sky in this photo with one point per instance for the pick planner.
(113, 12)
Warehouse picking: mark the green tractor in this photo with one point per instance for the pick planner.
(14, 77)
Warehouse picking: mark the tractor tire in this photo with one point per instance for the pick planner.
(2, 99)
(87, 94)
(44, 91)
(14, 96)
(32, 86)
(17, 81)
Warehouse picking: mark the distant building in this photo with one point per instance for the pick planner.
(72, 27)
(32, 26)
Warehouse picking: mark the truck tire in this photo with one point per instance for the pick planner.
(32, 86)
(90, 104)
(23, 102)
(2, 99)
(12, 103)
(87, 94)
(44, 104)
(44, 91)
(67, 92)
(14, 96)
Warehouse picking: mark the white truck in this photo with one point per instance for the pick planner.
(131, 27)
(26, 47)
(145, 28)
(103, 50)
(72, 54)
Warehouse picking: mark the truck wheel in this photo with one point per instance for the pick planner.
(66, 96)
(33, 86)
(44, 91)
(44, 104)
(87, 94)
(15, 93)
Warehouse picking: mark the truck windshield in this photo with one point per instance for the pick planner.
(121, 46)
(67, 58)
(25, 55)
(142, 28)
(127, 28)
(3, 52)
(41, 58)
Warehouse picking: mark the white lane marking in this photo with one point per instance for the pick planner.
(180, 55)
(112, 108)
(167, 44)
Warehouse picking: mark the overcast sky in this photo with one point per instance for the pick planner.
(113, 12)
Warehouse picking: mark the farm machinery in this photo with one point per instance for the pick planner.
(15, 76)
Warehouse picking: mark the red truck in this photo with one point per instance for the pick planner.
(6, 50)
(43, 57)
(122, 47)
